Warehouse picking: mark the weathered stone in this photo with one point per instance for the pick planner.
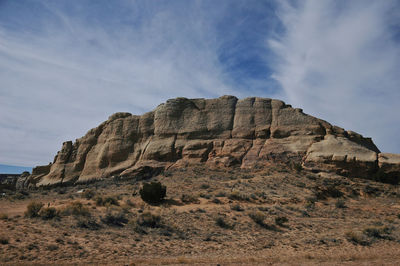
(343, 155)
(389, 163)
(222, 132)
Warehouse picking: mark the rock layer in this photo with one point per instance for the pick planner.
(222, 132)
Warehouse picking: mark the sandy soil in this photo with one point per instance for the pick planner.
(235, 217)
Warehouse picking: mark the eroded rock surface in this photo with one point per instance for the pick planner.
(222, 132)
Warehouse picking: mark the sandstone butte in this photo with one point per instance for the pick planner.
(222, 132)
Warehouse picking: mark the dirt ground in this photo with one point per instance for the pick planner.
(275, 215)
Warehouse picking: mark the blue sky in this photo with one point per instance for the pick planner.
(65, 66)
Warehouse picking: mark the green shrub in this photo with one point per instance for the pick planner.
(153, 193)
(48, 213)
(3, 216)
(33, 208)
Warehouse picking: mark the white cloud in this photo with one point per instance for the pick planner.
(67, 77)
(340, 60)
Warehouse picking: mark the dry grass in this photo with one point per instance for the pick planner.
(261, 217)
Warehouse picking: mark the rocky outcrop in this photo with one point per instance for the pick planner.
(223, 132)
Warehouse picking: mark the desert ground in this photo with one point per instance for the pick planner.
(280, 215)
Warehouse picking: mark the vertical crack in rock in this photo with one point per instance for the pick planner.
(233, 117)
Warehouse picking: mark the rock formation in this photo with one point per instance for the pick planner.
(223, 132)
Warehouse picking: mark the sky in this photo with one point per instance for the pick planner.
(65, 66)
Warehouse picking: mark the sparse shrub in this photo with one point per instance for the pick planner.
(99, 201)
(378, 232)
(297, 167)
(311, 177)
(149, 219)
(245, 176)
(310, 203)
(4, 240)
(115, 217)
(32, 246)
(33, 208)
(106, 201)
(330, 191)
(62, 191)
(205, 186)
(357, 238)
(340, 203)
(48, 213)
(220, 194)
(216, 201)
(153, 193)
(237, 208)
(167, 174)
(371, 190)
(88, 194)
(110, 201)
(236, 195)
(76, 208)
(3, 216)
(281, 220)
(206, 196)
(52, 247)
(19, 195)
(187, 198)
(257, 217)
(87, 223)
(130, 203)
(221, 222)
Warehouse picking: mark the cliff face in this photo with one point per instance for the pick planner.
(223, 132)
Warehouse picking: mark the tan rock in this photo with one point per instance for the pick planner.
(342, 155)
(222, 132)
(389, 162)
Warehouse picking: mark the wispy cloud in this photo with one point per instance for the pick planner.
(65, 67)
(340, 60)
